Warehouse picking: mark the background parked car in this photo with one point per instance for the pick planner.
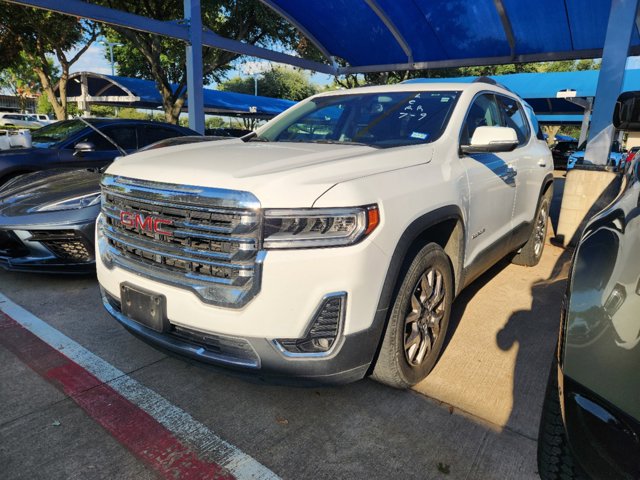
(591, 416)
(47, 218)
(616, 156)
(19, 120)
(561, 151)
(74, 144)
(44, 119)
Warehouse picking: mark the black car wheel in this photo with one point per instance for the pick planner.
(418, 320)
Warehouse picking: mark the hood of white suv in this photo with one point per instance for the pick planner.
(280, 174)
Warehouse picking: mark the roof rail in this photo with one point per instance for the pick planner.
(491, 81)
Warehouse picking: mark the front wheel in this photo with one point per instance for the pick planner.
(418, 320)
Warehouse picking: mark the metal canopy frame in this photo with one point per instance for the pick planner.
(179, 30)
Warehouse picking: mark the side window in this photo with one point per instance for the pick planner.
(149, 134)
(483, 112)
(123, 136)
(514, 118)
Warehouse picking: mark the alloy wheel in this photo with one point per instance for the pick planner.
(422, 323)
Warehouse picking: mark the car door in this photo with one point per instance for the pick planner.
(104, 151)
(492, 188)
(530, 160)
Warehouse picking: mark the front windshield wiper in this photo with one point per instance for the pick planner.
(340, 142)
(110, 140)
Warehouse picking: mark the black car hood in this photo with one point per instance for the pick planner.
(20, 196)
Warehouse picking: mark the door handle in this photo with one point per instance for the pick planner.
(542, 162)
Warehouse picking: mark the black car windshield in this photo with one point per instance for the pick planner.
(382, 119)
(50, 135)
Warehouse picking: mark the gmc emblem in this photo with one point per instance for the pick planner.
(148, 224)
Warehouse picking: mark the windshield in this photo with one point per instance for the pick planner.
(389, 119)
(49, 135)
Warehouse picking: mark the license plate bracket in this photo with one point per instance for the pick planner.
(144, 307)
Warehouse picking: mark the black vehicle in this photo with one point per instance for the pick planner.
(590, 425)
(561, 152)
(47, 219)
(74, 144)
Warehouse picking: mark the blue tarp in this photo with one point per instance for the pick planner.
(148, 96)
(540, 89)
(393, 32)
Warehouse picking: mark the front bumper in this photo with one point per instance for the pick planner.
(48, 248)
(258, 356)
(293, 284)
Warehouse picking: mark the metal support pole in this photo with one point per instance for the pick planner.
(195, 88)
(620, 27)
(587, 191)
(83, 104)
(113, 70)
(586, 117)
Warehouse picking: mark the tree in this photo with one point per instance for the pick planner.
(279, 82)
(31, 35)
(145, 55)
(21, 79)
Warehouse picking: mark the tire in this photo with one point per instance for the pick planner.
(418, 320)
(555, 459)
(531, 252)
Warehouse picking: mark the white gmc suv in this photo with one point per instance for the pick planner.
(330, 244)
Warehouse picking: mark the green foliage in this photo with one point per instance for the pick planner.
(28, 39)
(21, 79)
(44, 105)
(279, 82)
(102, 111)
(214, 122)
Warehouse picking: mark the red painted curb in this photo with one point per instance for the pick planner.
(135, 429)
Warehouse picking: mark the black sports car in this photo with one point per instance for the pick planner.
(47, 219)
(590, 425)
(74, 144)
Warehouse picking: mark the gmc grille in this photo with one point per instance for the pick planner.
(209, 240)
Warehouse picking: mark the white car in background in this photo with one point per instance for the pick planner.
(8, 119)
(44, 118)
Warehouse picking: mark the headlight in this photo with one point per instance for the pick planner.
(71, 203)
(318, 227)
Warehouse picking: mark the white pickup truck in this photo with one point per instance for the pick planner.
(331, 243)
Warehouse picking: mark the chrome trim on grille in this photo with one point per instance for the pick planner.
(184, 194)
(210, 244)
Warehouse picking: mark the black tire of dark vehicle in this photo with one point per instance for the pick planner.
(531, 253)
(555, 459)
(418, 320)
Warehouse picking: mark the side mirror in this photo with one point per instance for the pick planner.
(492, 140)
(626, 115)
(83, 147)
